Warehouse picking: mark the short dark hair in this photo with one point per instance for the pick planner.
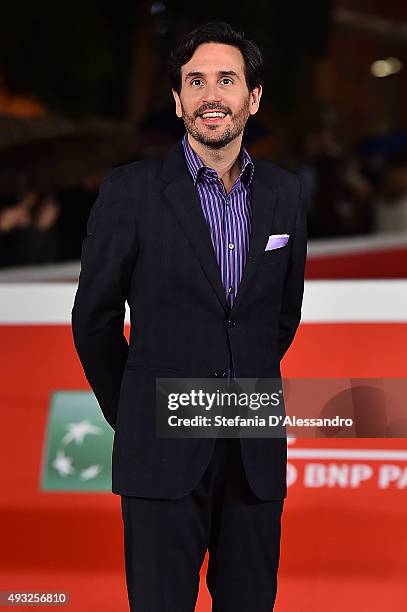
(219, 32)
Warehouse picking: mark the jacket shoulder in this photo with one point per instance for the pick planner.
(133, 172)
(277, 177)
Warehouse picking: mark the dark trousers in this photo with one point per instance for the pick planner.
(165, 543)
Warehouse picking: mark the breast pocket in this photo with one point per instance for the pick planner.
(276, 255)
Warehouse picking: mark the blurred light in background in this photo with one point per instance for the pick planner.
(384, 68)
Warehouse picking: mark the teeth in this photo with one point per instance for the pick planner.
(213, 114)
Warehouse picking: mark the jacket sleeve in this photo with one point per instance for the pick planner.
(290, 314)
(107, 259)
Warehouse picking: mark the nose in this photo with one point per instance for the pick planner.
(212, 93)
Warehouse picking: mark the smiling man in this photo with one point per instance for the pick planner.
(214, 99)
(208, 247)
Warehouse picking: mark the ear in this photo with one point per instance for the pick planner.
(255, 96)
(178, 108)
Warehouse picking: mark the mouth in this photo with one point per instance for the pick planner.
(212, 117)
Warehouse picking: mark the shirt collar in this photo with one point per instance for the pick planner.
(195, 163)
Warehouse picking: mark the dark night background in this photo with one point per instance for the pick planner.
(84, 87)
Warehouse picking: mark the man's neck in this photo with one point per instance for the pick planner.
(226, 161)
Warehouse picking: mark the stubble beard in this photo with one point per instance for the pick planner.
(215, 139)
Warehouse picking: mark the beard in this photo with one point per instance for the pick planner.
(214, 137)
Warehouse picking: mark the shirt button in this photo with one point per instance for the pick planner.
(231, 289)
(231, 245)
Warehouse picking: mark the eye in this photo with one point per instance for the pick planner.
(227, 79)
(195, 80)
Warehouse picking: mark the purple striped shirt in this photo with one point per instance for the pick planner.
(228, 216)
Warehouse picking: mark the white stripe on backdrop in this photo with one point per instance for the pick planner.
(324, 302)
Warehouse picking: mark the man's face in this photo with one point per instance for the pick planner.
(214, 80)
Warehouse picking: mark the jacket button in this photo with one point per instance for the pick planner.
(231, 323)
(220, 373)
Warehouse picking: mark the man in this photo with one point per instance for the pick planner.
(186, 241)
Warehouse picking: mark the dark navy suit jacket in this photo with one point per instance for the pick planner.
(148, 243)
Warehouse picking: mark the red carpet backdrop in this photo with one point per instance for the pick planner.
(344, 542)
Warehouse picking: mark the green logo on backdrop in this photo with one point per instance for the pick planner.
(78, 445)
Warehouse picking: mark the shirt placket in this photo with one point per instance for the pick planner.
(230, 246)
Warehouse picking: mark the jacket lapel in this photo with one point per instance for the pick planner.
(185, 204)
(263, 202)
(180, 194)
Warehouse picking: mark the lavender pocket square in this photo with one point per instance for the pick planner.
(276, 241)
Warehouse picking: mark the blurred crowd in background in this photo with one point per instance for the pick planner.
(42, 227)
(334, 111)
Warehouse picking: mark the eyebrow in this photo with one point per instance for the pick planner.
(196, 73)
